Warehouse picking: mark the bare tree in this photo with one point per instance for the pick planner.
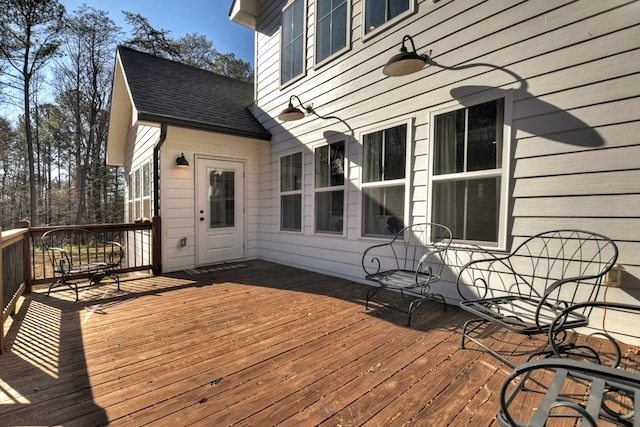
(84, 81)
(191, 49)
(29, 37)
(197, 51)
(148, 39)
(227, 65)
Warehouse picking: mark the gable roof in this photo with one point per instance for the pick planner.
(169, 92)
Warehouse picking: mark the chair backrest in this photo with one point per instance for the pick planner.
(565, 254)
(422, 246)
(539, 262)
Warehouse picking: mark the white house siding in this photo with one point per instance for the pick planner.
(571, 66)
(141, 139)
(177, 190)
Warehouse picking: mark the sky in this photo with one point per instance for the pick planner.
(206, 17)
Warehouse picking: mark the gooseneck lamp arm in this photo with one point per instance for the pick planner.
(292, 113)
(405, 62)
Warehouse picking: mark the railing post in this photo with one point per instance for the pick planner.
(26, 253)
(156, 245)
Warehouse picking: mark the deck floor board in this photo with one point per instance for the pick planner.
(258, 345)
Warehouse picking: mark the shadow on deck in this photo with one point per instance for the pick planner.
(256, 343)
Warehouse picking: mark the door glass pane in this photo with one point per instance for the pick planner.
(221, 199)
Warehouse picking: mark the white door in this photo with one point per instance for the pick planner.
(219, 211)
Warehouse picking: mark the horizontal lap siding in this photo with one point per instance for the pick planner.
(571, 67)
(179, 196)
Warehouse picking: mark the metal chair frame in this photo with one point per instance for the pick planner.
(410, 263)
(525, 290)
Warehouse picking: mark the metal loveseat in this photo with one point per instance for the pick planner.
(76, 253)
(525, 290)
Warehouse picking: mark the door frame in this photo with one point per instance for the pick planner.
(198, 188)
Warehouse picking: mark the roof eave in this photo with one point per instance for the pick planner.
(243, 12)
(209, 127)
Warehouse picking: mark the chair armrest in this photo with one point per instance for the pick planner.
(481, 282)
(60, 260)
(374, 258)
(556, 331)
(115, 259)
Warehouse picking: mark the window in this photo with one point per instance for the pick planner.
(292, 49)
(291, 192)
(329, 188)
(379, 12)
(331, 28)
(384, 181)
(139, 192)
(468, 178)
(222, 198)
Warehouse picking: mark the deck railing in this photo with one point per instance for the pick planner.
(24, 263)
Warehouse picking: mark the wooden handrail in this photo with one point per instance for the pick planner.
(8, 239)
(27, 236)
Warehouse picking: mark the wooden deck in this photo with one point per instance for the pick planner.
(256, 345)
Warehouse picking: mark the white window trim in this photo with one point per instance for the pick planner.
(291, 192)
(332, 140)
(335, 55)
(504, 171)
(366, 36)
(136, 199)
(304, 46)
(408, 178)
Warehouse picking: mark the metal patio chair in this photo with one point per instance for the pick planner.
(410, 263)
(574, 383)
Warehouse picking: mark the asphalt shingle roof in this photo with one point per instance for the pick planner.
(178, 94)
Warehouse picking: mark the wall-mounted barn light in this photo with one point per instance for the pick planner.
(182, 162)
(405, 62)
(292, 113)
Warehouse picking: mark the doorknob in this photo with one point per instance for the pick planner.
(201, 218)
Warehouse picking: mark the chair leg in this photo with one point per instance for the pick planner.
(416, 303)
(115, 278)
(60, 282)
(465, 330)
(370, 293)
(440, 298)
(465, 334)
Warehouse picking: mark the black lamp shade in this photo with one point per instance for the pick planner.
(404, 63)
(182, 161)
(290, 114)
